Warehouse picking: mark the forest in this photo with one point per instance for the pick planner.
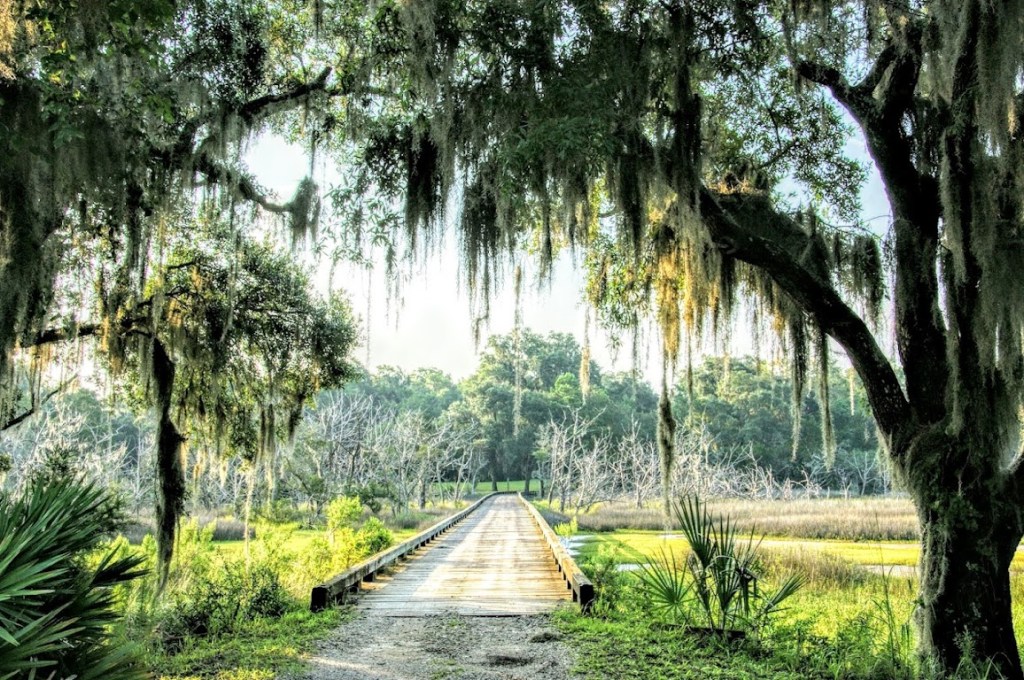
(174, 354)
(406, 440)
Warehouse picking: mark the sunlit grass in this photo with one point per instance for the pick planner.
(633, 546)
(869, 518)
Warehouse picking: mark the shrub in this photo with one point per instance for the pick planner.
(343, 511)
(373, 537)
(725, 571)
(216, 602)
(281, 511)
(55, 608)
(610, 582)
(372, 495)
(567, 529)
(724, 575)
(316, 563)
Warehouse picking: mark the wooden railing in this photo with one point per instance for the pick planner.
(575, 579)
(335, 589)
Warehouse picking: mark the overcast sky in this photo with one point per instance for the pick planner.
(431, 324)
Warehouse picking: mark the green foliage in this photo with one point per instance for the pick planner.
(55, 606)
(373, 537)
(745, 405)
(218, 603)
(664, 583)
(724, 572)
(343, 512)
(567, 529)
(549, 390)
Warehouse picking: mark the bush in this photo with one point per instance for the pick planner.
(342, 512)
(216, 603)
(567, 529)
(281, 511)
(56, 608)
(373, 537)
(720, 578)
(611, 584)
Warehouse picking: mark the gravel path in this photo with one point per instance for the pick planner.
(447, 647)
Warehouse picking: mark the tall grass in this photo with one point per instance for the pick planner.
(876, 518)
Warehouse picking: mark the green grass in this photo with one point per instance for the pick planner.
(631, 647)
(635, 546)
(265, 648)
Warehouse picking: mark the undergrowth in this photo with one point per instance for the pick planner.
(845, 622)
(241, 616)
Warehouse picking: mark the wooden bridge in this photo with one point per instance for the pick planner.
(496, 558)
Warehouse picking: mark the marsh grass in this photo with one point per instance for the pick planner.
(872, 518)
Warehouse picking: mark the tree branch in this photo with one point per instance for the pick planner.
(239, 182)
(52, 335)
(880, 104)
(22, 417)
(750, 230)
(268, 104)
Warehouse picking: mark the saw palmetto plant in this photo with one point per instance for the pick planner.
(56, 600)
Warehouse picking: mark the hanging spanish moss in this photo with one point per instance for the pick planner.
(666, 445)
(828, 434)
(585, 357)
(798, 373)
(517, 351)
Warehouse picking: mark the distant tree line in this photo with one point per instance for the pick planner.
(405, 439)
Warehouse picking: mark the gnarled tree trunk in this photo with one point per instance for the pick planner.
(970, 528)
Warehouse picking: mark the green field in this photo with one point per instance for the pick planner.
(635, 547)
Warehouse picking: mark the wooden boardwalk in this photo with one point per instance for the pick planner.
(494, 563)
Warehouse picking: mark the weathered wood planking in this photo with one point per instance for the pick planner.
(335, 589)
(494, 563)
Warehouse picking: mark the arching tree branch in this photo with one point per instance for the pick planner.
(766, 239)
(879, 104)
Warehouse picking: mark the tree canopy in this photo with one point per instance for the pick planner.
(656, 135)
(678, 120)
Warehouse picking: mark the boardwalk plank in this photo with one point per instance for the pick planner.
(495, 563)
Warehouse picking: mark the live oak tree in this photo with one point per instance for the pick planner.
(654, 134)
(114, 116)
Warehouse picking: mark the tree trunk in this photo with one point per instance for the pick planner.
(964, 610)
(170, 502)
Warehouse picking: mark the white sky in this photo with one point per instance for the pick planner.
(431, 325)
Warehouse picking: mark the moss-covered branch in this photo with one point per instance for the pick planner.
(742, 234)
(878, 104)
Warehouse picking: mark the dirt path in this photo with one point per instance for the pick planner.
(447, 647)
